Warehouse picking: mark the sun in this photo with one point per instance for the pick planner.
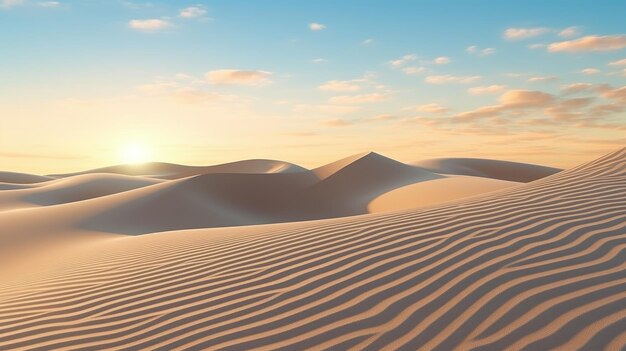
(134, 153)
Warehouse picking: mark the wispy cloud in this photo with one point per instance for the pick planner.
(542, 79)
(489, 89)
(149, 25)
(195, 11)
(429, 108)
(399, 62)
(316, 26)
(590, 43)
(238, 77)
(340, 85)
(570, 32)
(447, 78)
(367, 41)
(319, 60)
(590, 71)
(475, 50)
(412, 70)
(359, 99)
(10, 3)
(442, 60)
(621, 62)
(524, 33)
(336, 122)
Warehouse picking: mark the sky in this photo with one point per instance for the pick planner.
(91, 83)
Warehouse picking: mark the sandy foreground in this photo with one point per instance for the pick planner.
(364, 253)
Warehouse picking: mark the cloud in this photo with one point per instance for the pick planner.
(326, 109)
(537, 46)
(238, 77)
(569, 32)
(367, 41)
(430, 108)
(475, 50)
(576, 88)
(340, 85)
(414, 70)
(590, 43)
(397, 63)
(49, 4)
(524, 33)
(489, 89)
(316, 26)
(359, 99)
(526, 98)
(621, 62)
(443, 60)
(542, 79)
(336, 122)
(319, 60)
(383, 117)
(447, 78)
(193, 11)
(149, 25)
(523, 107)
(590, 71)
(10, 3)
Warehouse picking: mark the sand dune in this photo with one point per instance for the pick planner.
(534, 266)
(495, 169)
(355, 185)
(174, 171)
(22, 178)
(76, 188)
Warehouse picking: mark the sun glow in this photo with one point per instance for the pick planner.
(134, 153)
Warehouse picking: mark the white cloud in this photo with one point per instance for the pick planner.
(149, 25)
(367, 41)
(570, 32)
(524, 33)
(340, 85)
(621, 62)
(238, 77)
(358, 99)
(49, 4)
(442, 60)
(193, 11)
(542, 79)
(475, 50)
(590, 71)
(397, 63)
(447, 78)
(10, 3)
(319, 60)
(489, 89)
(590, 43)
(316, 26)
(413, 70)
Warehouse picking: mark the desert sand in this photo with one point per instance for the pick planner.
(365, 253)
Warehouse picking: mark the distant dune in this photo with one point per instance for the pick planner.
(174, 171)
(495, 169)
(22, 178)
(418, 258)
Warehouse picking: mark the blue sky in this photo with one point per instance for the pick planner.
(308, 80)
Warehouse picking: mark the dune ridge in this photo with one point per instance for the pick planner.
(535, 266)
